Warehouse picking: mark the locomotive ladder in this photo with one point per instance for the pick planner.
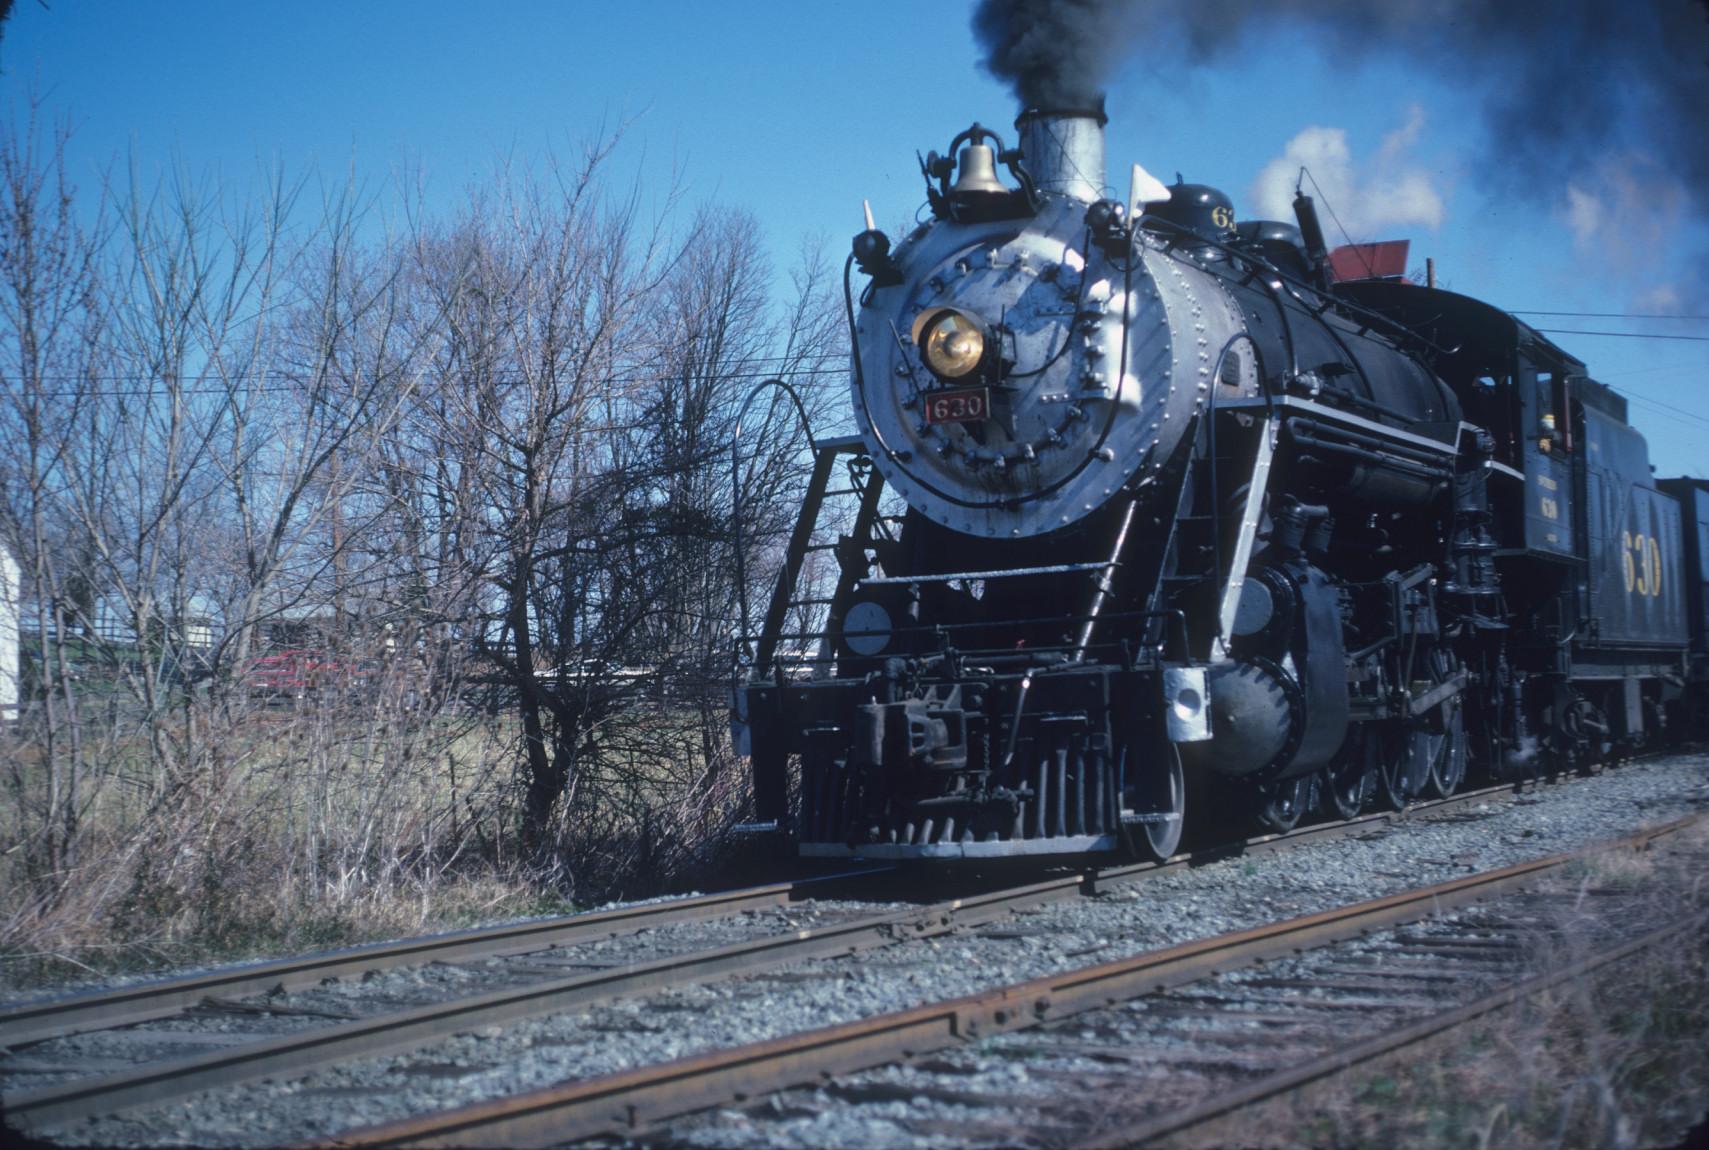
(865, 485)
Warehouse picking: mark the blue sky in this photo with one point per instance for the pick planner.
(796, 112)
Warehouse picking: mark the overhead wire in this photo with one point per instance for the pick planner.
(283, 388)
(1608, 315)
(1624, 334)
(1658, 405)
(1653, 370)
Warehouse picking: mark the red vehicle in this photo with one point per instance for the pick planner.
(298, 673)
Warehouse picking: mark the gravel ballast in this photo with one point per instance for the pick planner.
(1171, 908)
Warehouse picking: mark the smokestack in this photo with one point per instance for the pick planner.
(1064, 149)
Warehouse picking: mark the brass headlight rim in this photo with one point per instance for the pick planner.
(927, 321)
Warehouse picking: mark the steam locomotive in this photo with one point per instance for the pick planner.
(1152, 518)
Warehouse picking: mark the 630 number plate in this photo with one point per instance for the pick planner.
(969, 405)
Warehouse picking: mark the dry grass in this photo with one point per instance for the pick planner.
(297, 829)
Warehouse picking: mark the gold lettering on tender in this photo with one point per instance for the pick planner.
(1641, 561)
(1547, 483)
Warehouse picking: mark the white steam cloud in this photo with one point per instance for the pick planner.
(1384, 194)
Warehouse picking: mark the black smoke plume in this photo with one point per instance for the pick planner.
(1054, 53)
(1564, 87)
(1562, 84)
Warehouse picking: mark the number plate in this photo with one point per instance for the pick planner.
(969, 405)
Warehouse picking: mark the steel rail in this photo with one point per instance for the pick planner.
(1337, 1061)
(39, 1019)
(298, 1054)
(621, 1103)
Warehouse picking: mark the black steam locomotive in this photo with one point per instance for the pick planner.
(1149, 514)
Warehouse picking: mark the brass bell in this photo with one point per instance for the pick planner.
(976, 173)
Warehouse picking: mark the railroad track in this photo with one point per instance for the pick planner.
(33, 1021)
(36, 1020)
(1498, 947)
(1320, 952)
(313, 1039)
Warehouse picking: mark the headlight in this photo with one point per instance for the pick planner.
(951, 342)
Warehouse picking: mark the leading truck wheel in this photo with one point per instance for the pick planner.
(1154, 805)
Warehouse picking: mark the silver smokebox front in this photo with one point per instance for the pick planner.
(1064, 149)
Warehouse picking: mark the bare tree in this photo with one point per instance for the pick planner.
(542, 291)
(48, 355)
(718, 331)
(264, 452)
(586, 387)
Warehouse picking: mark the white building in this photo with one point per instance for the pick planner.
(11, 588)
